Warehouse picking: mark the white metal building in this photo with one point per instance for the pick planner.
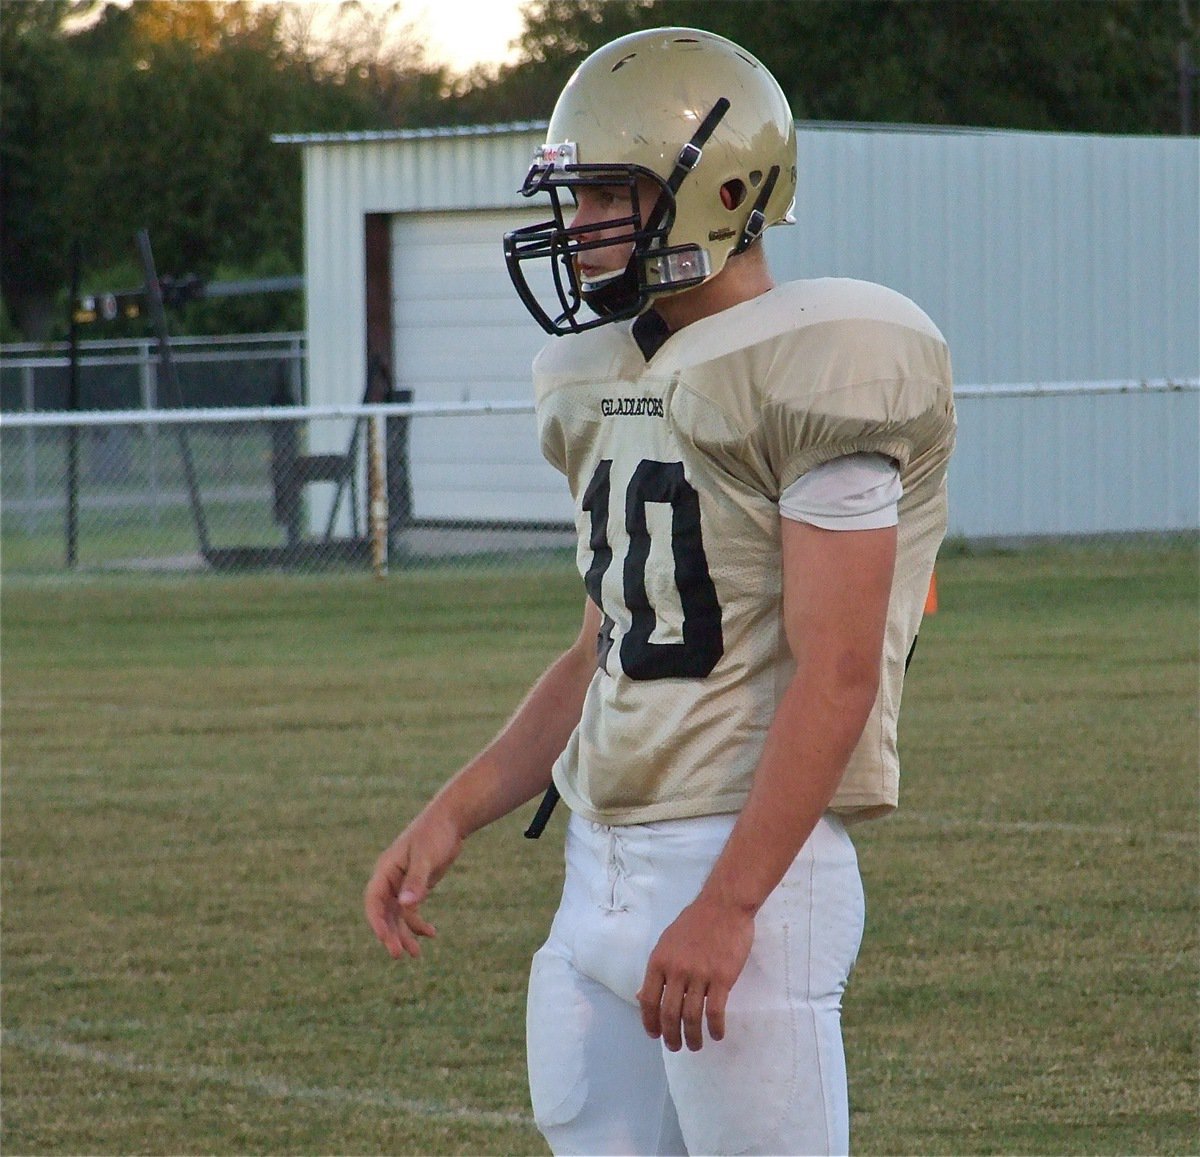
(1045, 258)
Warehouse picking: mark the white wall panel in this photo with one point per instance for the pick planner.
(1043, 258)
(1079, 463)
(462, 335)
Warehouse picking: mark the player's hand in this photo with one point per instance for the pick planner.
(404, 875)
(691, 971)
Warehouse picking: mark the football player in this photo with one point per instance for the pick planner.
(759, 481)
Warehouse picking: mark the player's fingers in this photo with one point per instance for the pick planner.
(386, 880)
(391, 900)
(693, 1018)
(714, 1007)
(649, 999)
(379, 906)
(414, 892)
(416, 922)
(398, 930)
(410, 925)
(671, 1014)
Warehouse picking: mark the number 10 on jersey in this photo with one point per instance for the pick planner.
(641, 657)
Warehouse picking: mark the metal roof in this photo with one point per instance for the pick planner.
(439, 132)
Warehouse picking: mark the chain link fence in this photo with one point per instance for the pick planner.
(126, 373)
(239, 477)
(244, 489)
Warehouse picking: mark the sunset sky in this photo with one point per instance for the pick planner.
(465, 32)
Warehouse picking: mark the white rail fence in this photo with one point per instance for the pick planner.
(401, 485)
(125, 372)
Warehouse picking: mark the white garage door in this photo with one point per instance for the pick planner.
(462, 335)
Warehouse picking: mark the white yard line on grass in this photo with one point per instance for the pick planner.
(47, 1045)
(1026, 827)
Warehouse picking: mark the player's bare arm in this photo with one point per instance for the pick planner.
(512, 770)
(836, 590)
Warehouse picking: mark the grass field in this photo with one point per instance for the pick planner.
(199, 772)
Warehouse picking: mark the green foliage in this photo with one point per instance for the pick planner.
(8, 330)
(41, 103)
(159, 115)
(254, 313)
(1065, 65)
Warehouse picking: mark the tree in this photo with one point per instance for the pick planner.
(160, 115)
(41, 99)
(1067, 65)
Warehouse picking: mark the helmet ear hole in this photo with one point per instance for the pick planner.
(733, 193)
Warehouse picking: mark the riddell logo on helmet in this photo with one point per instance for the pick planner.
(721, 234)
(557, 156)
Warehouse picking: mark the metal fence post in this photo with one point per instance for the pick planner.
(296, 368)
(29, 402)
(158, 318)
(377, 481)
(148, 382)
(73, 406)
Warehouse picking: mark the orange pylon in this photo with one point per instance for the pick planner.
(931, 602)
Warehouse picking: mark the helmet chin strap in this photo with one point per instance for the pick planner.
(597, 283)
(757, 221)
(688, 159)
(616, 293)
(623, 293)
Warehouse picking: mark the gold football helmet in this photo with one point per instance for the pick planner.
(702, 123)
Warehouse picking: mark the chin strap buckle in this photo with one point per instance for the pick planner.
(542, 817)
(757, 221)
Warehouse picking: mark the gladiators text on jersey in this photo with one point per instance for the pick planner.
(622, 407)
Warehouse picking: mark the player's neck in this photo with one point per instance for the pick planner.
(744, 277)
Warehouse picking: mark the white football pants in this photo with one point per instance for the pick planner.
(775, 1085)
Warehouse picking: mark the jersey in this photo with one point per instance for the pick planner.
(676, 460)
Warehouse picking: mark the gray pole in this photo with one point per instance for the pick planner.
(158, 319)
(1186, 75)
(73, 405)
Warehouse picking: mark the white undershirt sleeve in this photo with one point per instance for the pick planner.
(854, 492)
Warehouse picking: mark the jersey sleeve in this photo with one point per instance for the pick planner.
(868, 373)
(854, 492)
